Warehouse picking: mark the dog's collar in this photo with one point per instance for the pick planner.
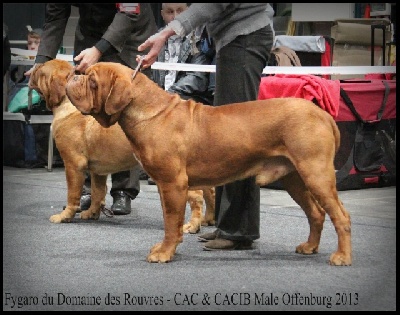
(138, 67)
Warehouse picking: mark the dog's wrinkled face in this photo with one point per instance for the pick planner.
(103, 91)
(49, 80)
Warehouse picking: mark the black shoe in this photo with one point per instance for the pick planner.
(121, 204)
(150, 181)
(143, 175)
(86, 201)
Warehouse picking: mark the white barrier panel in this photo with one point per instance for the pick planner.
(283, 70)
(25, 54)
(211, 68)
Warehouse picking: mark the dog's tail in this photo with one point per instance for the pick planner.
(336, 134)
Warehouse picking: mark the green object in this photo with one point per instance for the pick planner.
(21, 100)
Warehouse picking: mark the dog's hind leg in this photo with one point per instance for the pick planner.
(173, 201)
(294, 185)
(322, 184)
(196, 201)
(98, 192)
(209, 198)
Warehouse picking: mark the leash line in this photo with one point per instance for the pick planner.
(138, 67)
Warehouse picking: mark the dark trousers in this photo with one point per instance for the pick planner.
(126, 181)
(239, 66)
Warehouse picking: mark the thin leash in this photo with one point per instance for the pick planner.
(138, 67)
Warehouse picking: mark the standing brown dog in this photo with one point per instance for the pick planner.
(85, 145)
(183, 144)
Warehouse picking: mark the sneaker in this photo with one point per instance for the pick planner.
(224, 244)
(150, 181)
(208, 236)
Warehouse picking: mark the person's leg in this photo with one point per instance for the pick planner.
(125, 187)
(239, 69)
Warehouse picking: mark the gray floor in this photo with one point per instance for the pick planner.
(101, 265)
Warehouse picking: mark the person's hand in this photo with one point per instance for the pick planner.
(155, 43)
(87, 58)
(29, 72)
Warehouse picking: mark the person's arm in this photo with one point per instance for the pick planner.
(57, 15)
(125, 23)
(56, 19)
(155, 43)
(121, 28)
(196, 15)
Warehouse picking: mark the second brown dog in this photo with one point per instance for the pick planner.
(85, 145)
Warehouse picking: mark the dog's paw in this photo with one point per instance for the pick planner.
(209, 222)
(191, 227)
(159, 253)
(307, 249)
(59, 218)
(340, 259)
(89, 215)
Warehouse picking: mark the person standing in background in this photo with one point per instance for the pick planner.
(34, 37)
(243, 38)
(105, 32)
(33, 42)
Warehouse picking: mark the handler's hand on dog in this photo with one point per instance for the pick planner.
(155, 43)
(87, 58)
(29, 72)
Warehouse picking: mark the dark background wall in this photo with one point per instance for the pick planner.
(17, 15)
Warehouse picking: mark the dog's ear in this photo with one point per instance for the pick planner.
(50, 82)
(34, 74)
(37, 80)
(57, 91)
(119, 96)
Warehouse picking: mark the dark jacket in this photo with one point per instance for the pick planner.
(188, 84)
(99, 25)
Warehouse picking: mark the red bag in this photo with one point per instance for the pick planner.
(367, 123)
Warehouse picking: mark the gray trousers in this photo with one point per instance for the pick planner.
(239, 66)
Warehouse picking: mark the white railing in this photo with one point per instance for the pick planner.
(23, 55)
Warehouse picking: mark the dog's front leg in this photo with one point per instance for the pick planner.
(98, 190)
(173, 202)
(75, 179)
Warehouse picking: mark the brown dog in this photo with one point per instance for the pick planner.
(85, 145)
(184, 144)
